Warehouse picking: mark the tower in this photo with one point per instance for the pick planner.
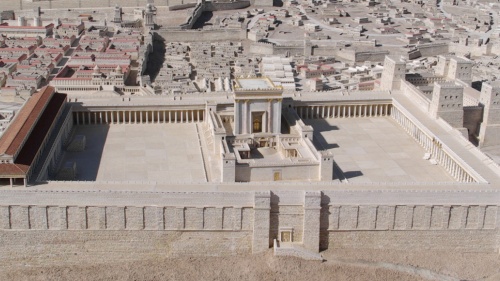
(37, 21)
(149, 16)
(307, 47)
(447, 103)
(461, 69)
(118, 14)
(489, 132)
(394, 72)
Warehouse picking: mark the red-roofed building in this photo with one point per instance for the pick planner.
(26, 137)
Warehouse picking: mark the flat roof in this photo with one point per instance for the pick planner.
(254, 83)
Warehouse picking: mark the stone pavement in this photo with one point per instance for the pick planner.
(142, 152)
(375, 149)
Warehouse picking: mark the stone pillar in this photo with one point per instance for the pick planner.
(312, 209)
(262, 211)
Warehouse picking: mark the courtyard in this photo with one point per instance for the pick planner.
(145, 152)
(375, 150)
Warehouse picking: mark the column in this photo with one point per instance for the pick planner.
(164, 116)
(192, 116)
(349, 111)
(328, 111)
(245, 118)
(169, 116)
(130, 117)
(366, 108)
(106, 116)
(123, 115)
(197, 115)
(270, 117)
(112, 117)
(355, 109)
(343, 111)
(77, 118)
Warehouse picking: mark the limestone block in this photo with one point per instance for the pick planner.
(210, 217)
(180, 218)
(77, 144)
(367, 217)
(4, 217)
(333, 218)
(472, 217)
(19, 217)
(57, 217)
(457, 217)
(237, 218)
(38, 217)
(67, 172)
(247, 219)
(134, 218)
(400, 217)
(348, 217)
(422, 217)
(436, 217)
(77, 217)
(115, 218)
(169, 217)
(194, 218)
(385, 217)
(228, 218)
(446, 215)
(153, 218)
(96, 218)
(490, 218)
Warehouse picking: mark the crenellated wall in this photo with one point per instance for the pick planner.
(220, 223)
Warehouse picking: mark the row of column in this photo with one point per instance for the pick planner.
(343, 111)
(433, 146)
(137, 117)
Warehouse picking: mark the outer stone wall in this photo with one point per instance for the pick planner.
(221, 223)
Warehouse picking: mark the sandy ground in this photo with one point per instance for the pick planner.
(339, 265)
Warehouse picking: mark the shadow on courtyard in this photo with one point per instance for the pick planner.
(203, 20)
(320, 127)
(89, 160)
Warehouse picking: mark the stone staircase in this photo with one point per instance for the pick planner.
(289, 249)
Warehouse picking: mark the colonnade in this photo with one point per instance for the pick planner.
(343, 111)
(138, 116)
(432, 146)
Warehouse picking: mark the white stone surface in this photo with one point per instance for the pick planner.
(375, 150)
(144, 152)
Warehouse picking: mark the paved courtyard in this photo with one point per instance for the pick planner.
(375, 150)
(145, 152)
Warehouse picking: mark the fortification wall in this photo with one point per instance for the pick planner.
(202, 35)
(102, 244)
(473, 116)
(262, 48)
(221, 6)
(72, 4)
(459, 240)
(433, 49)
(223, 223)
